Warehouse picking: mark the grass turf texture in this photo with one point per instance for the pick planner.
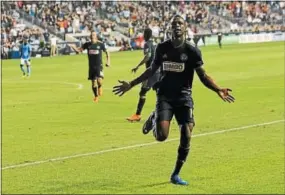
(47, 116)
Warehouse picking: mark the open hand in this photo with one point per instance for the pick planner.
(225, 95)
(122, 88)
(134, 70)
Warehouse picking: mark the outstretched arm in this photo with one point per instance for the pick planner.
(143, 61)
(107, 58)
(77, 49)
(210, 83)
(126, 86)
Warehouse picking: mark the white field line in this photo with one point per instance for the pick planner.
(137, 145)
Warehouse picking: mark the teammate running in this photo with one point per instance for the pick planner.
(25, 53)
(96, 75)
(149, 48)
(177, 61)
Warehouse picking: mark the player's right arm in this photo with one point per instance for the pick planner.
(126, 86)
(147, 56)
(78, 49)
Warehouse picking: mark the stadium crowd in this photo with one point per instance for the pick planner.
(105, 16)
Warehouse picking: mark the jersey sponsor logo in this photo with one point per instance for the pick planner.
(173, 66)
(92, 51)
(164, 56)
(183, 57)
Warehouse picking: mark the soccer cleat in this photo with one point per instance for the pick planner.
(175, 179)
(149, 124)
(24, 75)
(100, 91)
(28, 76)
(134, 118)
(96, 99)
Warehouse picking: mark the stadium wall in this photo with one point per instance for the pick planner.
(244, 38)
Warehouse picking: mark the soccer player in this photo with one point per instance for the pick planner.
(177, 61)
(220, 35)
(94, 51)
(149, 48)
(25, 53)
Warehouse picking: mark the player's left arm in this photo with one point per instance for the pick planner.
(208, 81)
(211, 84)
(108, 59)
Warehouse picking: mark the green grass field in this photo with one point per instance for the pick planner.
(52, 116)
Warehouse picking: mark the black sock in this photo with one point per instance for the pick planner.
(95, 91)
(140, 106)
(182, 155)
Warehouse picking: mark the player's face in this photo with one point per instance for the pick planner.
(93, 37)
(178, 27)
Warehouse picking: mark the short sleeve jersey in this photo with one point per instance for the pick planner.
(149, 49)
(177, 67)
(25, 50)
(94, 51)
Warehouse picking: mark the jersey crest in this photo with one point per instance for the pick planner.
(183, 57)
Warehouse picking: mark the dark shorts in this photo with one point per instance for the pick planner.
(149, 83)
(182, 109)
(95, 73)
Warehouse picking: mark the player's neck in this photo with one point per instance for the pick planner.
(178, 42)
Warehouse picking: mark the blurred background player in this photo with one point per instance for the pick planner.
(25, 53)
(149, 49)
(220, 35)
(53, 47)
(94, 52)
(177, 60)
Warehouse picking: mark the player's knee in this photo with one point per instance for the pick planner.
(100, 81)
(186, 131)
(143, 92)
(94, 84)
(191, 127)
(162, 130)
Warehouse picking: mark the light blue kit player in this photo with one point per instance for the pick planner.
(25, 53)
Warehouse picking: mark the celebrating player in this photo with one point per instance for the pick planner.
(149, 48)
(177, 61)
(96, 75)
(25, 53)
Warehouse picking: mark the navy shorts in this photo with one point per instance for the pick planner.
(95, 73)
(182, 109)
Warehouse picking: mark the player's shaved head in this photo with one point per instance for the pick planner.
(147, 34)
(178, 26)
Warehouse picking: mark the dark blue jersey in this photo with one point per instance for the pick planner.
(94, 52)
(149, 49)
(177, 67)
